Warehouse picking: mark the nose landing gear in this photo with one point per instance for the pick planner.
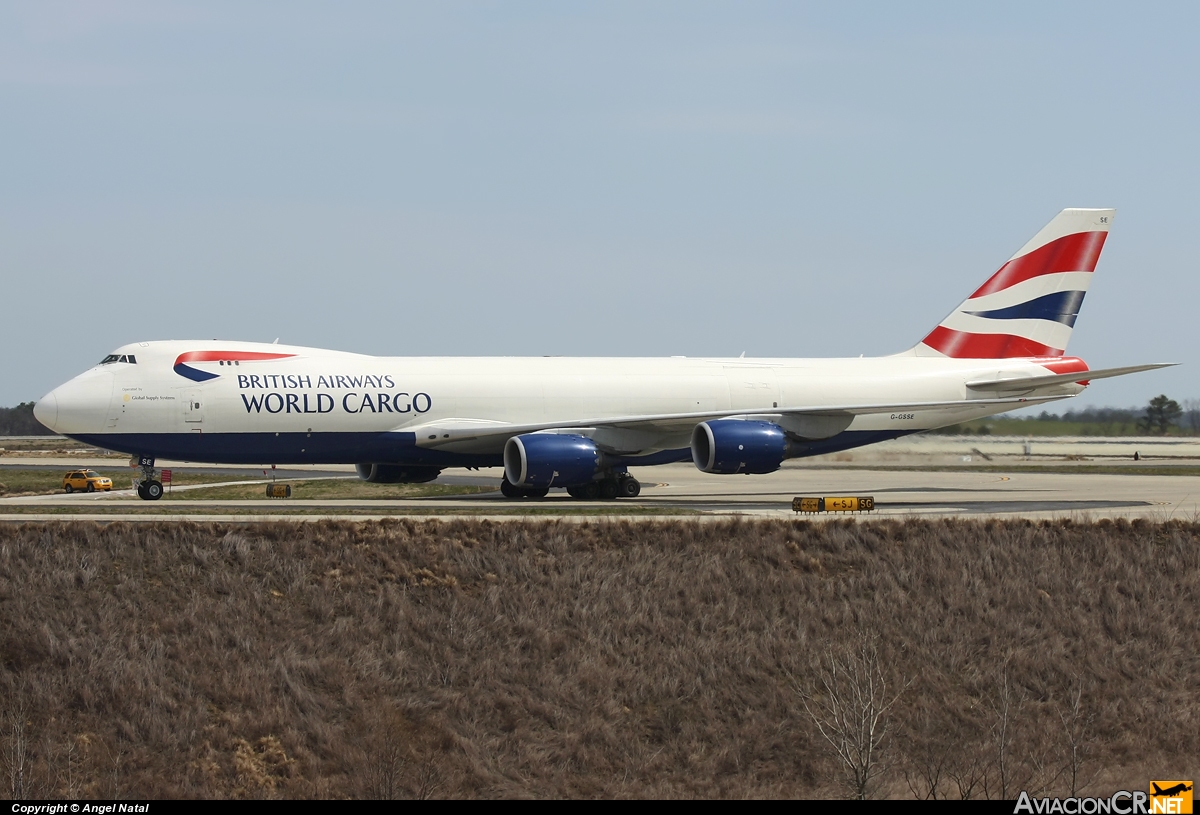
(149, 488)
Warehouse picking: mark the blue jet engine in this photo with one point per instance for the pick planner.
(550, 460)
(727, 446)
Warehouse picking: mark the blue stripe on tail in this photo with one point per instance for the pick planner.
(1061, 307)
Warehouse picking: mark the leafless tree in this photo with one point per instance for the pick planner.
(927, 752)
(17, 759)
(402, 759)
(387, 755)
(1077, 729)
(1020, 756)
(850, 707)
(968, 770)
(1004, 707)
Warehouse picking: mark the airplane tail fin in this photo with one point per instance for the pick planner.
(1029, 306)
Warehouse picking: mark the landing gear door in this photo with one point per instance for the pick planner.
(193, 407)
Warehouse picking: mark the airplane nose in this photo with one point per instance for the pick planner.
(46, 410)
(77, 406)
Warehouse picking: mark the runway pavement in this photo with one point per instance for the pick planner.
(682, 490)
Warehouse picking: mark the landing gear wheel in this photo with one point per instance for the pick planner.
(590, 491)
(608, 489)
(141, 491)
(511, 490)
(69, 489)
(629, 487)
(154, 490)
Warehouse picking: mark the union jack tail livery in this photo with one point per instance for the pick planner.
(1028, 307)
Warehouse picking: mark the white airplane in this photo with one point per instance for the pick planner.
(579, 423)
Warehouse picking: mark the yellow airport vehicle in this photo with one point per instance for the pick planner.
(279, 490)
(85, 481)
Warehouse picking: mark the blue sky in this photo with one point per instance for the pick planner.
(783, 179)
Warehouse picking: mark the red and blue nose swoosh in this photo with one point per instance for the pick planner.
(197, 375)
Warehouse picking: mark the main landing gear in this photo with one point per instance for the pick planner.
(511, 490)
(614, 485)
(149, 488)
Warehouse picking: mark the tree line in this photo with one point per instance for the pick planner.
(1160, 417)
(19, 421)
(1157, 418)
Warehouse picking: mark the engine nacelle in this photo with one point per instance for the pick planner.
(550, 460)
(396, 473)
(727, 446)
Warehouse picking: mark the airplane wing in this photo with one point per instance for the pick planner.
(633, 434)
(1026, 383)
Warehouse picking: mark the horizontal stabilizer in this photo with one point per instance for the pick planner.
(1026, 383)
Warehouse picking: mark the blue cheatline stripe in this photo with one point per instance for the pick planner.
(1061, 307)
(194, 374)
(378, 448)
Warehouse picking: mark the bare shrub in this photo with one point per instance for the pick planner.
(1078, 724)
(18, 755)
(402, 758)
(850, 705)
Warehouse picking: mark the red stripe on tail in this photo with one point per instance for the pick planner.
(965, 345)
(1068, 365)
(1070, 253)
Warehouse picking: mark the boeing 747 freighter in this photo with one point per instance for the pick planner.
(580, 423)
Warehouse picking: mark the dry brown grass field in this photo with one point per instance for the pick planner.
(597, 659)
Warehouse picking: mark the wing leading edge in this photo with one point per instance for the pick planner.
(632, 434)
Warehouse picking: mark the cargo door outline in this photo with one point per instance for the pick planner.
(193, 409)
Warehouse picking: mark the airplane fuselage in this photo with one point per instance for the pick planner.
(294, 405)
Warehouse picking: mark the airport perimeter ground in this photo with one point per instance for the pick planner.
(1034, 619)
(925, 476)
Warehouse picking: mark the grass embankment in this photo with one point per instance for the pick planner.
(658, 659)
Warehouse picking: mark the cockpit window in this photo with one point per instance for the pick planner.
(130, 358)
(110, 358)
